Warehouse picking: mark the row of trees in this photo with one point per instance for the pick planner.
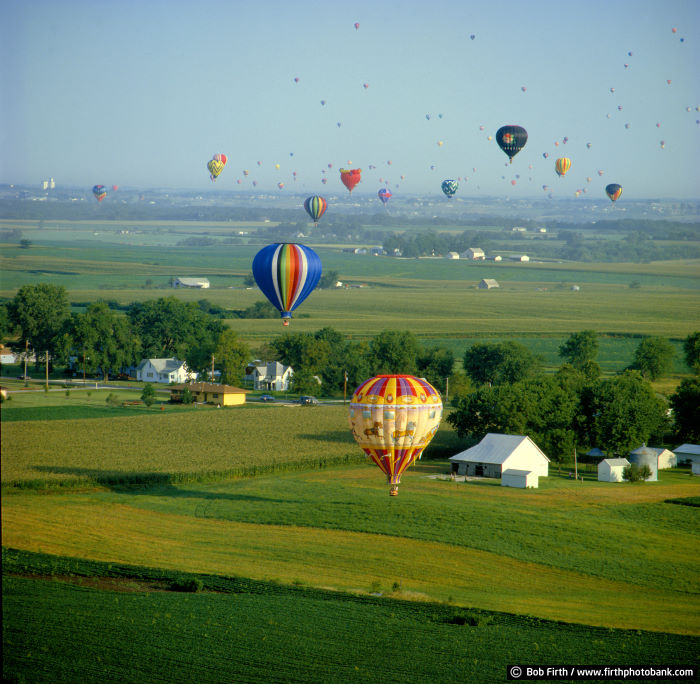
(501, 388)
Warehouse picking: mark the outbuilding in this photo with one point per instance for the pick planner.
(209, 393)
(644, 456)
(610, 469)
(688, 453)
(523, 479)
(495, 454)
(488, 284)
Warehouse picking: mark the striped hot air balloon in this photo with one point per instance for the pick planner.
(286, 273)
(613, 191)
(99, 192)
(315, 207)
(562, 165)
(393, 418)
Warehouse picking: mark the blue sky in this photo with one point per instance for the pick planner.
(142, 94)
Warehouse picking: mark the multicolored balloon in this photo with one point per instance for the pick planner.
(350, 177)
(393, 418)
(613, 191)
(384, 194)
(286, 273)
(216, 166)
(562, 165)
(99, 192)
(449, 187)
(315, 207)
(511, 139)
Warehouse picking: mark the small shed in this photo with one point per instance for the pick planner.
(665, 458)
(695, 468)
(610, 469)
(474, 253)
(523, 479)
(452, 255)
(488, 284)
(688, 453)
(209, 393)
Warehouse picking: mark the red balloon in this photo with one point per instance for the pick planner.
(350, 177)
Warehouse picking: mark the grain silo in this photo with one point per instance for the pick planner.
(646, 456)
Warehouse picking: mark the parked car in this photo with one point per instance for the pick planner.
(308, 401)
(266, 397)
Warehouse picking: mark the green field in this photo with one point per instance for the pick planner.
(309, 570)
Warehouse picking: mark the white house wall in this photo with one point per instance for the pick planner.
(526, 457)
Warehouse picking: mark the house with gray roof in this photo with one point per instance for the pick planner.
(270, 377)
(495, 454)
(164, 371)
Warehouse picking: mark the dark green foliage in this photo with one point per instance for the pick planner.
(499, 363)
(187, 397)
(148, 396)
(636, 473)
(245, 630)
(394, 351)
(190, 585)
(581, 349)
(653, 357)
(685, 402)
(691, 351)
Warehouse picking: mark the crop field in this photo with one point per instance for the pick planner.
(303, 567)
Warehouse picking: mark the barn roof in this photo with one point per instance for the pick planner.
(495, 448)
(688, 449)
(616, 462)
(515, 471)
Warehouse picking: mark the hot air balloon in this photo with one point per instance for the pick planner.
(315, 207)
(350, 177)
(384, 194)
(511, 139)
(613, 191)
(449, 187)
(296, 79)
(357, 25)
(115, 188)
(286, 273)
(562, 165)
(215, 167)
(220, 157)
(393, 418)
(99, 192)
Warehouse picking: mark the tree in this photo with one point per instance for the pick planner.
(103, 338)
(302, 351)
(148, 396)
(304, 382)
(501, 362)
(653, 357)
(168, 327)
(40, 312)
(622, 412)
(635, 473)
(231, 355)
(393, 351)
(685, 402)
(186, 396)
(691, 351)
(435, 364)
(581, 349)
(328, 280)
(6, 327)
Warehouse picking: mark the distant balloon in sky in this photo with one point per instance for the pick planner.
(216, 165)
(523, 88)
(588, 145)
(673, 30)
(384, 195)
(562, 165)
(296, 79)
(513, 182)
(338, 124)
(99, 192)
(627, 125)
(449, 187)
(662, 143)
(613, 191)
(315, 207)
(668, 80)
(323, 103)
(427, 116)
(439, 143)
(612, 90)
(357, 25)
(115, 188)
(545, 154)
(472, 37)
(280, 185)
(350, 177)
(511, 139)
(600, 172)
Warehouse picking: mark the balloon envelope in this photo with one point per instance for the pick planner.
(613, 191)
(215, 168)
(286, 273)
(350, 177)
(384, 194)
(511, 139)
(315, 207)
(393, 418)
(562, 165)
(99, 192)
(449, 187)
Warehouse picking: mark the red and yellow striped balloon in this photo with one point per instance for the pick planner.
(393, 418)
(562, 165)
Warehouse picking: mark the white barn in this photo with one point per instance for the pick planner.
(523, 479)
(164, 371)
(488, 284)
(688, 452)
(474, 253)
(197, 283)
(495, 454)
(610, 469)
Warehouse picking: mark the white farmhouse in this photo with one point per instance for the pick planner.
(610, 469)
(474, 253)
(164, 371)
(273, 376)
(495, 454)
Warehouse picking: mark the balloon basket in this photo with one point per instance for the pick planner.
(394, 491)
(285, 322)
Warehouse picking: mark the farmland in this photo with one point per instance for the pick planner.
(308, 570)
